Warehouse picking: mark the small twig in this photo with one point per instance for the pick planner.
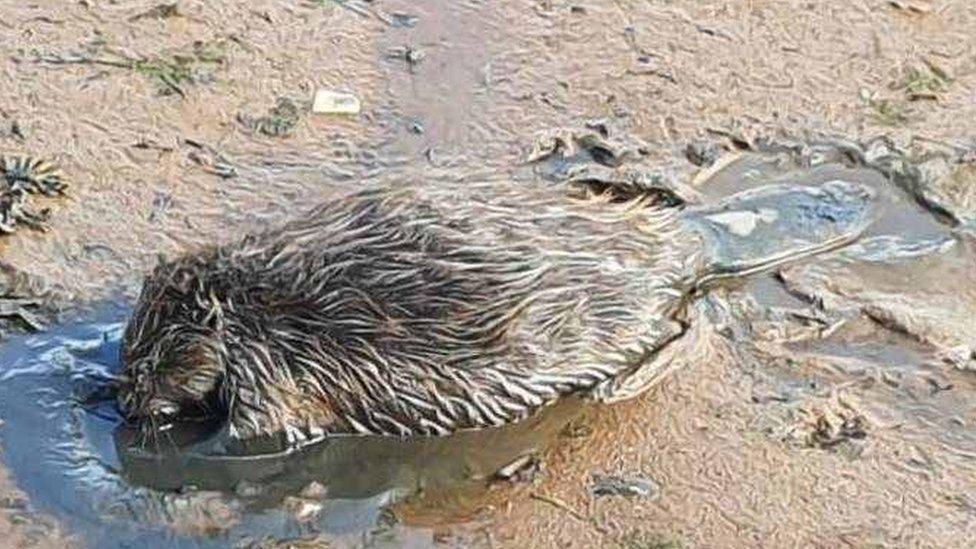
(713, 32)
(16, 308)
(940, 142)
(383, 17)
(217, 163)
(18, 302)
(194, 143)
(150, 144)
(559, 504)
(364, 11)
(31, 320)
(353, 7)
(650, 71)
(80, 60)
(737, 139)
(911, 7)
(172, 85)
(46, 19)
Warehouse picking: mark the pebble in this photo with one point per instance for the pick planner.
(627, 486)
(332, 102)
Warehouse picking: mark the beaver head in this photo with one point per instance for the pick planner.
(211, 338)
(173, 368)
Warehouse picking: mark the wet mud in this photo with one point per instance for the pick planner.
(839, 413)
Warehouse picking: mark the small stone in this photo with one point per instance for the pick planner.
(247, 489)
(614, 485)
(16, 130)
(302, 509)
(413, 55)
(332, 102)
(410, 54)
(702, 154)
(314, 490)
(401, 19)
(743, 222)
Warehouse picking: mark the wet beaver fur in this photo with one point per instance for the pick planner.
(417, 311)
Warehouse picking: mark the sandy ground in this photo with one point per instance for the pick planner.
(491, 75)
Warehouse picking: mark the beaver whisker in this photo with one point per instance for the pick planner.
(151, 431)
(147, 434)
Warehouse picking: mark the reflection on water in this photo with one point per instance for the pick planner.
(68, 449)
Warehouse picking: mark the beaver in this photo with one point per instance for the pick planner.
(437, 308)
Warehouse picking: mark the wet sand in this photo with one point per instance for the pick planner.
(493, 74)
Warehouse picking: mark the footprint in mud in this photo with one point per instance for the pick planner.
(69, 451)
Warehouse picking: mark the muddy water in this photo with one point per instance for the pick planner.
(77, 460)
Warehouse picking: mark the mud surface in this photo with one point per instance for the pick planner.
(846, 421)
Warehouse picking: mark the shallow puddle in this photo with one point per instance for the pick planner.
(73, 456)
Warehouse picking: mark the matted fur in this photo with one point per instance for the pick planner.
(413, 311)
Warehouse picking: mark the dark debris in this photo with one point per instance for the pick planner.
(522, 470)
(160, 11)
(21, 178)
(23, 301)
(279, 122)
(626, 486)
(827, 433)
